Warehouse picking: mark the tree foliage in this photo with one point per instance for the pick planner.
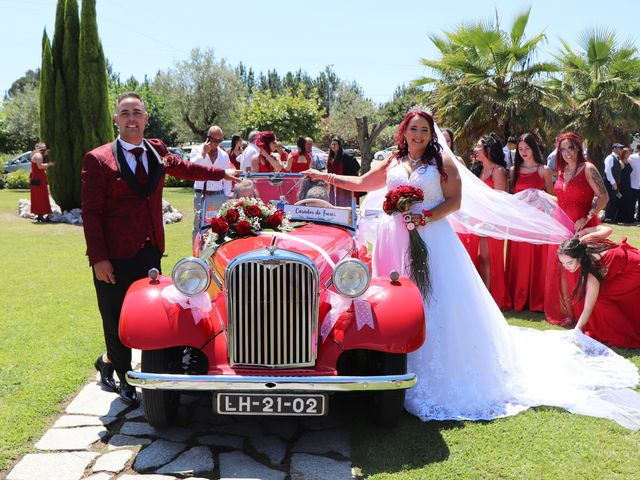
(93, 94)
(203, 91)
(598, 91)
(288, 115)
(30, 78)
(20, 122)
(349, 104)
(487, 80)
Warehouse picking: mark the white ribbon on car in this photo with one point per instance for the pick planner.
(340, 304)
(200, 305)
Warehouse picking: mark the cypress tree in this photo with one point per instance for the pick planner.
(93, 91)
(70, 70)
(58, 35)
(59, 176)
(47, 91)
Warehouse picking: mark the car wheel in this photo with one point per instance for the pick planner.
(161, 406)
(388, 405)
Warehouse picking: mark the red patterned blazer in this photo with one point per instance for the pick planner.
(118, 213)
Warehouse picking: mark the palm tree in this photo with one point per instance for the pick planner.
(487, 80)
(598, 92)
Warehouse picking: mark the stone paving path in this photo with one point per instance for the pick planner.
(98, 437)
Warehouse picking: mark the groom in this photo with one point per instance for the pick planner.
(122, 186)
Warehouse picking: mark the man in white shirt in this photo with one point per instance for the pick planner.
(634, 161)
(215, 192)
(551, 163)
(244, 159)
(509, 151)
(612, 170)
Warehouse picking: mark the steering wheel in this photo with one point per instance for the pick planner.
(315, 202)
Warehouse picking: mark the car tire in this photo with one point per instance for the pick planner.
(161, 406)
(388, 405)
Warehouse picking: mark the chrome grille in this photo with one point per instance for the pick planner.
(272, 310)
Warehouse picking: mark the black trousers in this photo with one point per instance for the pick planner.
(611, 210)
(111, 297)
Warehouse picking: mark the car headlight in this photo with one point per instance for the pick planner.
(351, 277)
(191, 276)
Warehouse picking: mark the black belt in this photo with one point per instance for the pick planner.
(208, 192)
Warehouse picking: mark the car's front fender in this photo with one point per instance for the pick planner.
(398, 318)
(150, 322)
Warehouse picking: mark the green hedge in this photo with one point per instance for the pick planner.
(170, 181)
(16, 180)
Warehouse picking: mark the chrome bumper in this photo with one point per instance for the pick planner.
(158, 381)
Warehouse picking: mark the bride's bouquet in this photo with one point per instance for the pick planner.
(399, 200)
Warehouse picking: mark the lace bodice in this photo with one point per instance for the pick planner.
(426, 178)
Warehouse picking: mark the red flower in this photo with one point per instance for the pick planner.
(232, 216)
(401, 198)
(219, 226)
(253, 211)
(275, 219)
(243, 228)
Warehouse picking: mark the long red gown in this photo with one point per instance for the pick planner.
(575, 198)
(616, 316)
(39, 193)
(297, 166)
(526, 263)
(497, 282)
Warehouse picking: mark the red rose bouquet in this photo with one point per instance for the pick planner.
(399, 200)
(240, 218)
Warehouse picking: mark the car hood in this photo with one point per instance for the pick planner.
(325, 245)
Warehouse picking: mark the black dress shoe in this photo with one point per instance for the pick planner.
(106, 374)
(128, 393)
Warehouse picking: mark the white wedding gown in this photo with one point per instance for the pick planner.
(473, 365)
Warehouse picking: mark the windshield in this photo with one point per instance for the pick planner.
(301, 198)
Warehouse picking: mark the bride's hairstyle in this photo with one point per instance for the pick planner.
(586, 254)
(433, 150)
(532, 141)
(264, 140)
(576, 141)
(493, 150)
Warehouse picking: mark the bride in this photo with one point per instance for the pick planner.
(475, 366)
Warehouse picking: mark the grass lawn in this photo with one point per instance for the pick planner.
(50, 333)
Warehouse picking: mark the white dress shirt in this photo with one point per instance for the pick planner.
(634, 161)
(608, 164)
(221, 161)
(244, 159)
(131, 158)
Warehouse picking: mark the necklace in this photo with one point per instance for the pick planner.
(414, 161)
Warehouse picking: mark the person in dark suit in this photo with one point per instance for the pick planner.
(122, 186)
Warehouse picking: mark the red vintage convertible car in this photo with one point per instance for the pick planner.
(272, 321)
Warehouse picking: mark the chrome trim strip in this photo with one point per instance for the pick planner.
(158, 381)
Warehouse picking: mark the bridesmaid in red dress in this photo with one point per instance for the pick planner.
(38, 186)
(488, 253)
(266, 161)
(235, 150)
(578, 185)
(300, 160)
(526, 263)
(606, 296)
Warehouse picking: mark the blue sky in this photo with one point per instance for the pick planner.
(376, 43)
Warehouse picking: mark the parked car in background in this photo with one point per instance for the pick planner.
(178, 151)
(382, 154)
(21, 162)
(264, 320)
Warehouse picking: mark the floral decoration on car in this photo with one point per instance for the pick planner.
(242, 217)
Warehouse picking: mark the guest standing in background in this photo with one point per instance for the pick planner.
(634, 161)
(209, 154)
(235, 150)
(38, 185)
(626, 203)
(612, 169)
(299, 160)
(525, 264)
(249, 152)
(341, 162)
(447, 133)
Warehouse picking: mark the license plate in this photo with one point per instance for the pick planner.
(270, 404)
